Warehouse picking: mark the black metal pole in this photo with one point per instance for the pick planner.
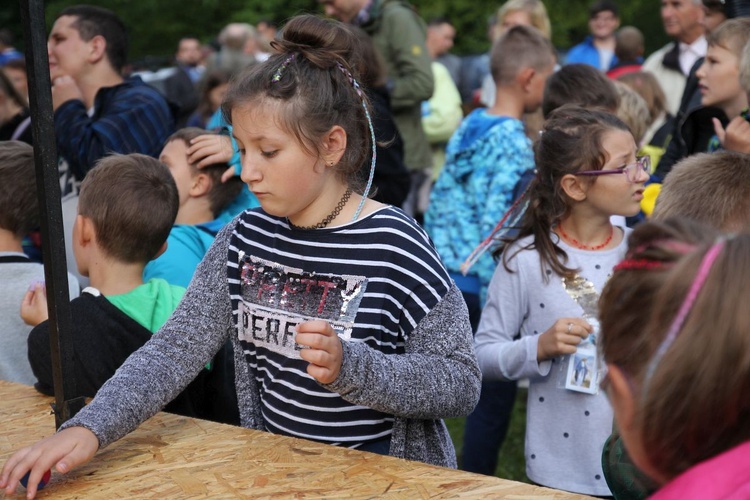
(50, 210)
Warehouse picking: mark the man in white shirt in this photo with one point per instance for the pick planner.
(683, 21)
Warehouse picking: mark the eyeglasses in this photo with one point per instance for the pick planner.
(632, 171)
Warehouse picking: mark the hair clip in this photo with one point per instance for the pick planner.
(280, 71)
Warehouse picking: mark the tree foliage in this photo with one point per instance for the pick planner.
(156, 26)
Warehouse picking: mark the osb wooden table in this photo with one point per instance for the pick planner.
(176, 457)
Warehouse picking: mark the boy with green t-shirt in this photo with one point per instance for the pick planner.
(127, 206)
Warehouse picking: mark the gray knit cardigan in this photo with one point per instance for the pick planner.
(437, 377)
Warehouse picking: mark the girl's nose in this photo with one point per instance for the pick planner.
(249, 173)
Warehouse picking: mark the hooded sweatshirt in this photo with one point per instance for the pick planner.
(399, 36)
(186, 246)
(485, 159)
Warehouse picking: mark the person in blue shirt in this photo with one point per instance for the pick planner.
(598, 49)
(202, 196)
(486, 157)
(97, 110)
(7, 51)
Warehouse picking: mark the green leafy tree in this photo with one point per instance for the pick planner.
(156, 26)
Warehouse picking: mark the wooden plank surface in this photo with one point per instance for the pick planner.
(176, 457)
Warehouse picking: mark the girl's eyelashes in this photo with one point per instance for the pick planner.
(269, 154)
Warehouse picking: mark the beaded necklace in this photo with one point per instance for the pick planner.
(331, 216)
(577, 244)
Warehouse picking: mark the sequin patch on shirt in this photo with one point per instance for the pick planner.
(276, 298)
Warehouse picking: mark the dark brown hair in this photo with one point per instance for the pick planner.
(570, 141)
(19, 208)
(710, 188)
(696, 405)
(372, 72)
(582, 85)
(213, 79)
(221, 194)
(97, 21)
(132, 201)
(311, 91)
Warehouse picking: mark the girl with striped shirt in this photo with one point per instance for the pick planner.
(346, 327)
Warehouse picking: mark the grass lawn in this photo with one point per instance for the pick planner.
(511, 464)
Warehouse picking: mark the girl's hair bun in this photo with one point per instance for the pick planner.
(321, 41)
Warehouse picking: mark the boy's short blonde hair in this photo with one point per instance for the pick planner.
(529, 48)
(710, 188)
(731, 35)
(534, 8)
(633, 110)
(745, 68)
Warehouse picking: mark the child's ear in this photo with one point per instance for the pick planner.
(621, 397)
(574, 187)
(334, 145)
(85, 231)
(200, 185)
(525, 76)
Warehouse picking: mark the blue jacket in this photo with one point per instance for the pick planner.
(586, 53)
(186, 246)
(485, 159)
(131, 117)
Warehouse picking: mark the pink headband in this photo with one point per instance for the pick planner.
(687, 305)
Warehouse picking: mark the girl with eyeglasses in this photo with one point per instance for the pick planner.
(541, 305)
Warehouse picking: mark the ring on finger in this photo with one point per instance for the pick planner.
(570, 327)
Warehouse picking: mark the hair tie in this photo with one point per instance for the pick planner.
(675, 246)
(629, 264)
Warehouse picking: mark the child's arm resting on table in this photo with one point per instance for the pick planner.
(150, 378)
